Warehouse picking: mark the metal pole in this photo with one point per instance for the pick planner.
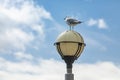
(69, 61)
(69, 75)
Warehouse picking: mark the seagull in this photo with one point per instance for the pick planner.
(71, 21)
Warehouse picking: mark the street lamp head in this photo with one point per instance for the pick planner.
(70, 45)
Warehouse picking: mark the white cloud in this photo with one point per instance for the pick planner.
(92, 22)
(14, 39)
(55, 70)
(22, 56)
(100, 23)
(98, 71)
(21, 24)
(26, 13)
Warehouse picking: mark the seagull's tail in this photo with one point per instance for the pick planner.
(79, 22)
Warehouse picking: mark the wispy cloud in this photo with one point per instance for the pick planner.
(100, 23)
(21, 24)
(47, 69)
(15, 38)
(23, 56)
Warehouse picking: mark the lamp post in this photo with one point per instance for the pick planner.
(70, 45)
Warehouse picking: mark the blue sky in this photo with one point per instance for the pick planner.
(87, 10)
(29, 28)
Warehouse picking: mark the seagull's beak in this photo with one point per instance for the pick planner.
(65, 17)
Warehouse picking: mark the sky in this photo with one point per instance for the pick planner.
(29, 28)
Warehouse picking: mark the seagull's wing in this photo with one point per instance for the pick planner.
(73, 21)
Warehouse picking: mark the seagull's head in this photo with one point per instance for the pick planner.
(67, 17)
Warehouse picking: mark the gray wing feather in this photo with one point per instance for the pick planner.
(73, 21)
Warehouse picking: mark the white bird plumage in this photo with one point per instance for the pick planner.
(71, 22)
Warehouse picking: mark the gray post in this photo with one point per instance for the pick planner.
(69, 61)
(69, 75)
